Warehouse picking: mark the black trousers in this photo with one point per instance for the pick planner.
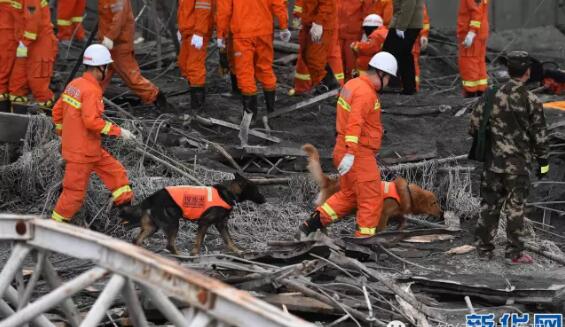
(401, 49)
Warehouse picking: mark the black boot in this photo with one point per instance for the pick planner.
(197, 99)
(250, 105)
(19, 104)
(163, 104)
(329, 82)
(270, 98)
(234, 88)
(5, 103)
(311, 225)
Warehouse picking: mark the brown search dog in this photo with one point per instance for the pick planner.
(413, 199)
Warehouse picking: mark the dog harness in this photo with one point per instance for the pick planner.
(389, 191)
(195, 200)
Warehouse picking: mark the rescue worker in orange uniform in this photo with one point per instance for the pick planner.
(318, 20)
(365, 50)
(358, 140)
(78, 120)
(70, 14)
(250, 23)
(196, 22)
(420, 45)
(116, 30)
(10, 11)
(35, 56)
(383, 8)
(472, 35)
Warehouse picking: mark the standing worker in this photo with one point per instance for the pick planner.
(10, 11)
(36, 52)
(116, 30)
(358, 140)
(472, 35)
(196, 22)
(518, 136)
(70, 14)
(407, 21)
(251, 25)
(375, 35)
(78, 120)
(420, 45)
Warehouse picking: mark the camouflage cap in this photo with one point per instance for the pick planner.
(519, 60)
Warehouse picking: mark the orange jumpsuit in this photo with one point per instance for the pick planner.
(194, 17)
(250, 23)
(473, 16)
(69, 19)
(34, 71)
(315, 55)
(195, 200)
(425, 32)
(78, 119)
(365, 50)
(359, 132)
(384, 9)
(9, 13)
(302, 81)
(116, 22)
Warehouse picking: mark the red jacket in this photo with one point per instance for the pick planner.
(473, 16)
(116, 21)
(78, 119)
(36, 21)
(365, 50)
(195, 200)
(383, 8)
(352, 14)
(14, 7)
(196, 17)
(250, 18)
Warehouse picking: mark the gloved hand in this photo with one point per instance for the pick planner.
(469, 38)
(197, 41)
(179, 36)
(354, 46)
(220, 43)
(400, 34)
(543, 168)
(423, 43)
(296, 23)
(21, 52)
(316, 32)
(126, 135)
(108, 43)
(284, 35)
(346, 164)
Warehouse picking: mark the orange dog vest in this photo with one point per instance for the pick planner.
(195, 200)
(389, 191)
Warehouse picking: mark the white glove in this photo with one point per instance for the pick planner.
(284, 35)
(400, 34)
(109, 44)
(127, 135)
(220, 43)
(316, 32)
(296, 23)
(469, 38)
(179, 36)
(21, 52)
(423, 43)
(197, 41)
(346, 164)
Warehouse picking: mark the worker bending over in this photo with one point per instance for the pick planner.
(359, 134)
(78, 120)
(374, 38)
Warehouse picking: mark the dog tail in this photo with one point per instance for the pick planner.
(314, 166)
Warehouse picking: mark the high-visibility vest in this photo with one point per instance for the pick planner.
(195, 200)
(389, 191)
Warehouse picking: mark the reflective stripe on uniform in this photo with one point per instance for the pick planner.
(352, 138)
(367, 230)
(16, 5)
(77, 19)
(21, 52)
(18, 98)
(339, 76)
(417, 79)
(297, 9)
(58, 127)
(475, 83)
(387, 187)
(121, 191)
(71, 101)
(63, 22)
(302, 77)
(377, 105)
(426, 27)
(30, 35)
(329, 211)
(341, 101)
(106, 128)
(475, 23)
(544, 169)
(202, 5)
(57, 217)
(44, 3)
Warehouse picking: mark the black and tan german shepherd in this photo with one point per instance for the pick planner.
(160, 211)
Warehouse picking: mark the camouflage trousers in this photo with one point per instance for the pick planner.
(502, 193)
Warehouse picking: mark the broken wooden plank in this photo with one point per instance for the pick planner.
(298, 303)
(411, 157)
(286, 46)
(304, 103)
(281, 151)
(286, 60)
(236, 127)
(13, 127)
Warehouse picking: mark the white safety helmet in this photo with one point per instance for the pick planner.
(97, 55)
(384, 62)
(373, 20)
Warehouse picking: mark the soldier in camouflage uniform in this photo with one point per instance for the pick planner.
(518, 137)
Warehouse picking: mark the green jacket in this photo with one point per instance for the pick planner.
(408, 14)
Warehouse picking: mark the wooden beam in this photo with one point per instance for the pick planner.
(304, 103)
(236, 127)
(281, 151)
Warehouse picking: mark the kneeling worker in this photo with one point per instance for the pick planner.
(78, 120)
(359, 133)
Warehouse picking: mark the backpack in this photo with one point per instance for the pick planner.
(480, 148)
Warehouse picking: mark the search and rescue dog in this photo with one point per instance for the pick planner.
(400, 197)
(206, 206)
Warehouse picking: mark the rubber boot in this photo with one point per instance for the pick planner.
(270, 98)
(19, 104)
(234, 88)
(163, 104)
(197, 99)
(46, 107)
(5, 102)
(250, 105)
(328, 83)
(311, 225)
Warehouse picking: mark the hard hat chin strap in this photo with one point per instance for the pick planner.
(103, 70)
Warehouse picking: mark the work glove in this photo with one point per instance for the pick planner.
(543, 169)
(423, 43)
(400, 34)
(108, 43)
(284, 35)
(126, 135)
(316, 32)
(296, 23)
(346, 164)
(469, 38)
(354, 46)
(197, 41)
(220, 43)
(179, 36)
(21, 52)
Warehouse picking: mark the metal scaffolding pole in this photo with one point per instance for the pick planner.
(19, 253)
(104, 301)
(167, 308)
(135, 310)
